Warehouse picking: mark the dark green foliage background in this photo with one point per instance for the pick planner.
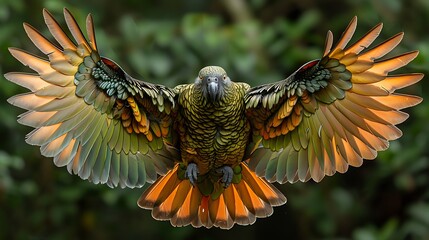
(258, 42)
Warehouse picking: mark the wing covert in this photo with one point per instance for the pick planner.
(331, 113)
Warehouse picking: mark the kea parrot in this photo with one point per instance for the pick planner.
(212, 149)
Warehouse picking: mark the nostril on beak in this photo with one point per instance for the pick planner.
(213, 79)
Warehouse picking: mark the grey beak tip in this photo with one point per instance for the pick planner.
(213, 88)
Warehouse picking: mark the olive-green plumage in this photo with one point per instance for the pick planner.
(212, 133)
(211, 148)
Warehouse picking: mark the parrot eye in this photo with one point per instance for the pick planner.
(224, 77)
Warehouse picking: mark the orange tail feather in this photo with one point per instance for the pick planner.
(177, 200)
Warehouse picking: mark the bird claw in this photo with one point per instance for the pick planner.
(227, 174)
(192, 173)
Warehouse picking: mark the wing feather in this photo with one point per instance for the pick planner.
(75, 29)
(78, 105)
(57, 32)
(382, 49)
(333, 112)
(346, 36)
(91, 32)
(365, 41)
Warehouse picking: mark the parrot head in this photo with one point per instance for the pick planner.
(213, 81)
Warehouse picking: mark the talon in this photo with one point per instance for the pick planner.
(192, 173)
(227, 174)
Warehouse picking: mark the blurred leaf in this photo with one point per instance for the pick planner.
(8, 163)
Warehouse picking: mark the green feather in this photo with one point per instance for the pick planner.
(335, 91)
(302, 165)
(92, 157)
(270, 171)
(217, 191)
(134, 144)
(143, 145)
(84, 125)
(282, 160)
(115, 169)
(205, 185)
(105, 165)
(91, 95)
(84, 87)
(325, 123)
(315, 139)
(133, 170)
(144, 168)
(101, 162)
(279, 142)
(126, 146)
(123, 174)
(260, 160)
(115, 133)
(89, 62)
(332, 62)
(295, 137)
(324, 96)
(302, 132)
(120, 141)
(292, 165)
(93, 130)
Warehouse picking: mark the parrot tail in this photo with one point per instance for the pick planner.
(171, 198)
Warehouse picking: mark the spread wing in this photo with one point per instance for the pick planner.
(88, 114)
(331, 113)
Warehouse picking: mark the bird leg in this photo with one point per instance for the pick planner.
(227, 174)
(192, 173)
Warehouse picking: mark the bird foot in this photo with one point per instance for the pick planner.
(227, 174)
(192, 173)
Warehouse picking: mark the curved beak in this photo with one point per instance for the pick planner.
(213, 88)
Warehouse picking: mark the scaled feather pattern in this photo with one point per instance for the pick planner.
(211, 149)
